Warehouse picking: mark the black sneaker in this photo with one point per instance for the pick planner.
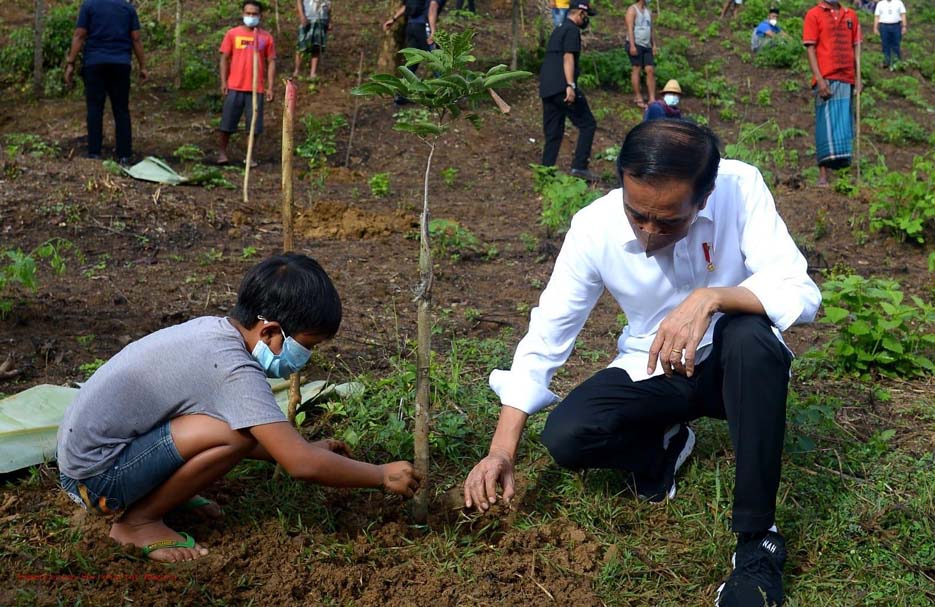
(678, 442)
(757, 577)
(585, 174)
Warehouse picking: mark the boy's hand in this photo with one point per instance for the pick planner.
(333, 445)
(401, 478)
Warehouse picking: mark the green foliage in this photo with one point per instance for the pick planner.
(198, 70)
(89, 368)
(897, 129)
(764, 96)
(189, 152)
(450, 176)
(16, 57)
(380, 185)
(320, 136)
(451, 239)
(877, 333)
(209, 177)
(783, 52)
(27, 143)
(752, 147)
(20, 268)
(562, 197)
(903, 86)
(452, 88)
(905, 204)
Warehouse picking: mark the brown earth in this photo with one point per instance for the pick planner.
(154, 256)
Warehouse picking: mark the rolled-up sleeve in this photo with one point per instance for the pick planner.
(779, 272)
(554, 324)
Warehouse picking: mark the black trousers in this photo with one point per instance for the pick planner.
(470, 5)
(417, 37)
(610, 421)
(101, 81)
(554, 112)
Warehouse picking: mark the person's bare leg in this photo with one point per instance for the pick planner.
(651, 82)
(298, 65)
(635, 82)
(822, 175)
(313, 65)
(210, 449)
(224, 140)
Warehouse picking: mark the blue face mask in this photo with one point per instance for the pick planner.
(251, 20)
(292, 357)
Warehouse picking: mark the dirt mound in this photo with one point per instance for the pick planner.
(328, 219)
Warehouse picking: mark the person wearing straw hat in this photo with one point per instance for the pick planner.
(668, 106)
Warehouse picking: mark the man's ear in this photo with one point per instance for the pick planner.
(704, 201)
(269, 330)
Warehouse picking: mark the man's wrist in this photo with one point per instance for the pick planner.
(500, 452)
(570, 84)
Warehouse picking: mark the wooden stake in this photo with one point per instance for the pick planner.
(503, 105)
(857, 100)
(178, 44)
(350, 138)
(514, 34)
(38, 57)
(249, 161)
(276, 10)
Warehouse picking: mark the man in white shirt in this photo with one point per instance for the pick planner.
(889, 23)
(693, 251)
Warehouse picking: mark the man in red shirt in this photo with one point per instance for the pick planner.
(831, 35)
(237, 52)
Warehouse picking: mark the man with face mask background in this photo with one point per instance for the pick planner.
(668, 106)
(237, 50)
(561, 96)
(767, 31)
(694, 253)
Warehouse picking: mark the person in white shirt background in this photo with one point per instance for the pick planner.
(692, 249)
(890, 24)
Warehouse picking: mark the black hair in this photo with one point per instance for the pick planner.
(293, 290)
(774, 10)
(255, 3)
(659, 150)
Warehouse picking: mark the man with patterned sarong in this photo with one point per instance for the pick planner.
(831, 35)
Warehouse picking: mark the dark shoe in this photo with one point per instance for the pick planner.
(678, 443)
(585, 174)
(125, 161)
(94, 156)
(757, 577)
(400, 101)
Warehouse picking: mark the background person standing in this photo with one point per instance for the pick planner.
(561, 97)
(889, 23)
(108, 30)
(641, 42)
(314, 25)
(237, 49)
(831, 34)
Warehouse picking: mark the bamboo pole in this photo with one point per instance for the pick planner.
(38, 57)
(350, 138)
(249, 161)
(420, 433)
(276, 10)
(857, 100)
(178, 44)
(514, 34)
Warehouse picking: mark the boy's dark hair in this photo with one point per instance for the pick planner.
(659, 150)
(255, 3)
(774, 10)
(293, 290)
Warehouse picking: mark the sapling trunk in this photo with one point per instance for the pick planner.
(420, 435)
(178, 44)
(276, 11)
(288, 233)
(514, 35)
(249, 161)
(37, 54)
(350, 138)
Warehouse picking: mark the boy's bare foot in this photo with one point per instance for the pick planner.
(144, 533)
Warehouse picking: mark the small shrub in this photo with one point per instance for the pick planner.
(905, 204)
(380, 185)
(562, 197)
(89, 368)
(764, 97)
(897, 129)
(781, 53)
(20, 268)
(320, 137)
(451, 239)
(188, 152)
(27, 143)
(876, 331)
(450, 176)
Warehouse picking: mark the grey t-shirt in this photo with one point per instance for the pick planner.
(200, 366)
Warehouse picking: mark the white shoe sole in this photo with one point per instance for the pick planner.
(686, 451)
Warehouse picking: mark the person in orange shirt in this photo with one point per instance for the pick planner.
(237, 49)
(831, 35)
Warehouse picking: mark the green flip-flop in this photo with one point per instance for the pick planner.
(196, 502)
(188, 542)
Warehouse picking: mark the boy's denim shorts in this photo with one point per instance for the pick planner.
(147, 462)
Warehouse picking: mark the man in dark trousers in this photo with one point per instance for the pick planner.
(561, 97)
(108, 30)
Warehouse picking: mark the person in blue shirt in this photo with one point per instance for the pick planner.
(108, 31)
(767, 31)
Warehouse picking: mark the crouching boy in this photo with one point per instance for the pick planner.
(175, 411)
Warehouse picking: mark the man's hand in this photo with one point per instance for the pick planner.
(69, 74)
(388, 24)
(306, 22)
(333, 445)
(224, 90)
(655, 49)
(144, 75)
(824, 91)
(401, 478)
(632, 49)
(681, 332)
(569, 95)
(480, 488)
(431, 39)
(270, 95)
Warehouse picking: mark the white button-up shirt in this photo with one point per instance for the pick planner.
(747, 243)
